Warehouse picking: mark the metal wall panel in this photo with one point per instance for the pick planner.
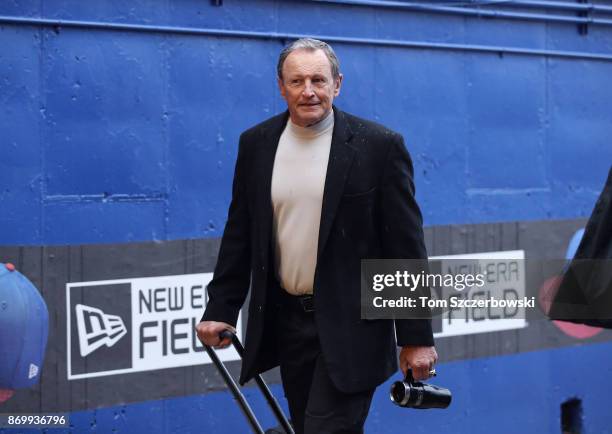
(114, 134)
(139, 125)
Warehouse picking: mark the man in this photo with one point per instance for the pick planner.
(315, 191)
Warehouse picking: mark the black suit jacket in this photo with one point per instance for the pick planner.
(368, 211)
(585, 293)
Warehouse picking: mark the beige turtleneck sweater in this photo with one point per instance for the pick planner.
(298, 179)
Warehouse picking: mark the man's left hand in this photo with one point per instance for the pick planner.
(420, 359)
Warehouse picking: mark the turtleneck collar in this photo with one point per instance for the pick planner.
(321, 127)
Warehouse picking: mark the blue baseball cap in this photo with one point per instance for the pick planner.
(24, 328)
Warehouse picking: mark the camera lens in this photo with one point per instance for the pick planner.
(400, 393)
(419, 395)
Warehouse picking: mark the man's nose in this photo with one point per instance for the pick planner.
(308, 90)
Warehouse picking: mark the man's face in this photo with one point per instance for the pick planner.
(308, 86)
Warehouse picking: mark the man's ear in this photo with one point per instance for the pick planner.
(337, 85)
(281, 87)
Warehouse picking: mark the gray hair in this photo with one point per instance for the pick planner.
(310, 45)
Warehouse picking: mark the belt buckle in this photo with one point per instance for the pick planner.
(307, 303)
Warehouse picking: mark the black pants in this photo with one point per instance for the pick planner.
(315, 404)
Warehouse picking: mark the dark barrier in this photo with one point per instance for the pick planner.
(121, 316)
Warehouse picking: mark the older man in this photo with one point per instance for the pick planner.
(315, 191)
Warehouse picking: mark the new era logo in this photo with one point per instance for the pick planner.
(97, 329)
(137, 324)
(33, 371)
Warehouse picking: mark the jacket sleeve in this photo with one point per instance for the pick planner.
(402, 231)
(229, 286)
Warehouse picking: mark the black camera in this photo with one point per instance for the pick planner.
(414, 394)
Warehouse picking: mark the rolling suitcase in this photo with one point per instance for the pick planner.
(285, 427)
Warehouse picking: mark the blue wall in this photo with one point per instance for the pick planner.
(119, 134)
(140, 125)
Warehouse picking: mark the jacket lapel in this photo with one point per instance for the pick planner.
(341, 156)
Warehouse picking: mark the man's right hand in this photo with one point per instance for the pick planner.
(208, 333)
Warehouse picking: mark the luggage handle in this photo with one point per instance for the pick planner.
(239, 397)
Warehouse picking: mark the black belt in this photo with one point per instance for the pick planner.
(304, 303)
